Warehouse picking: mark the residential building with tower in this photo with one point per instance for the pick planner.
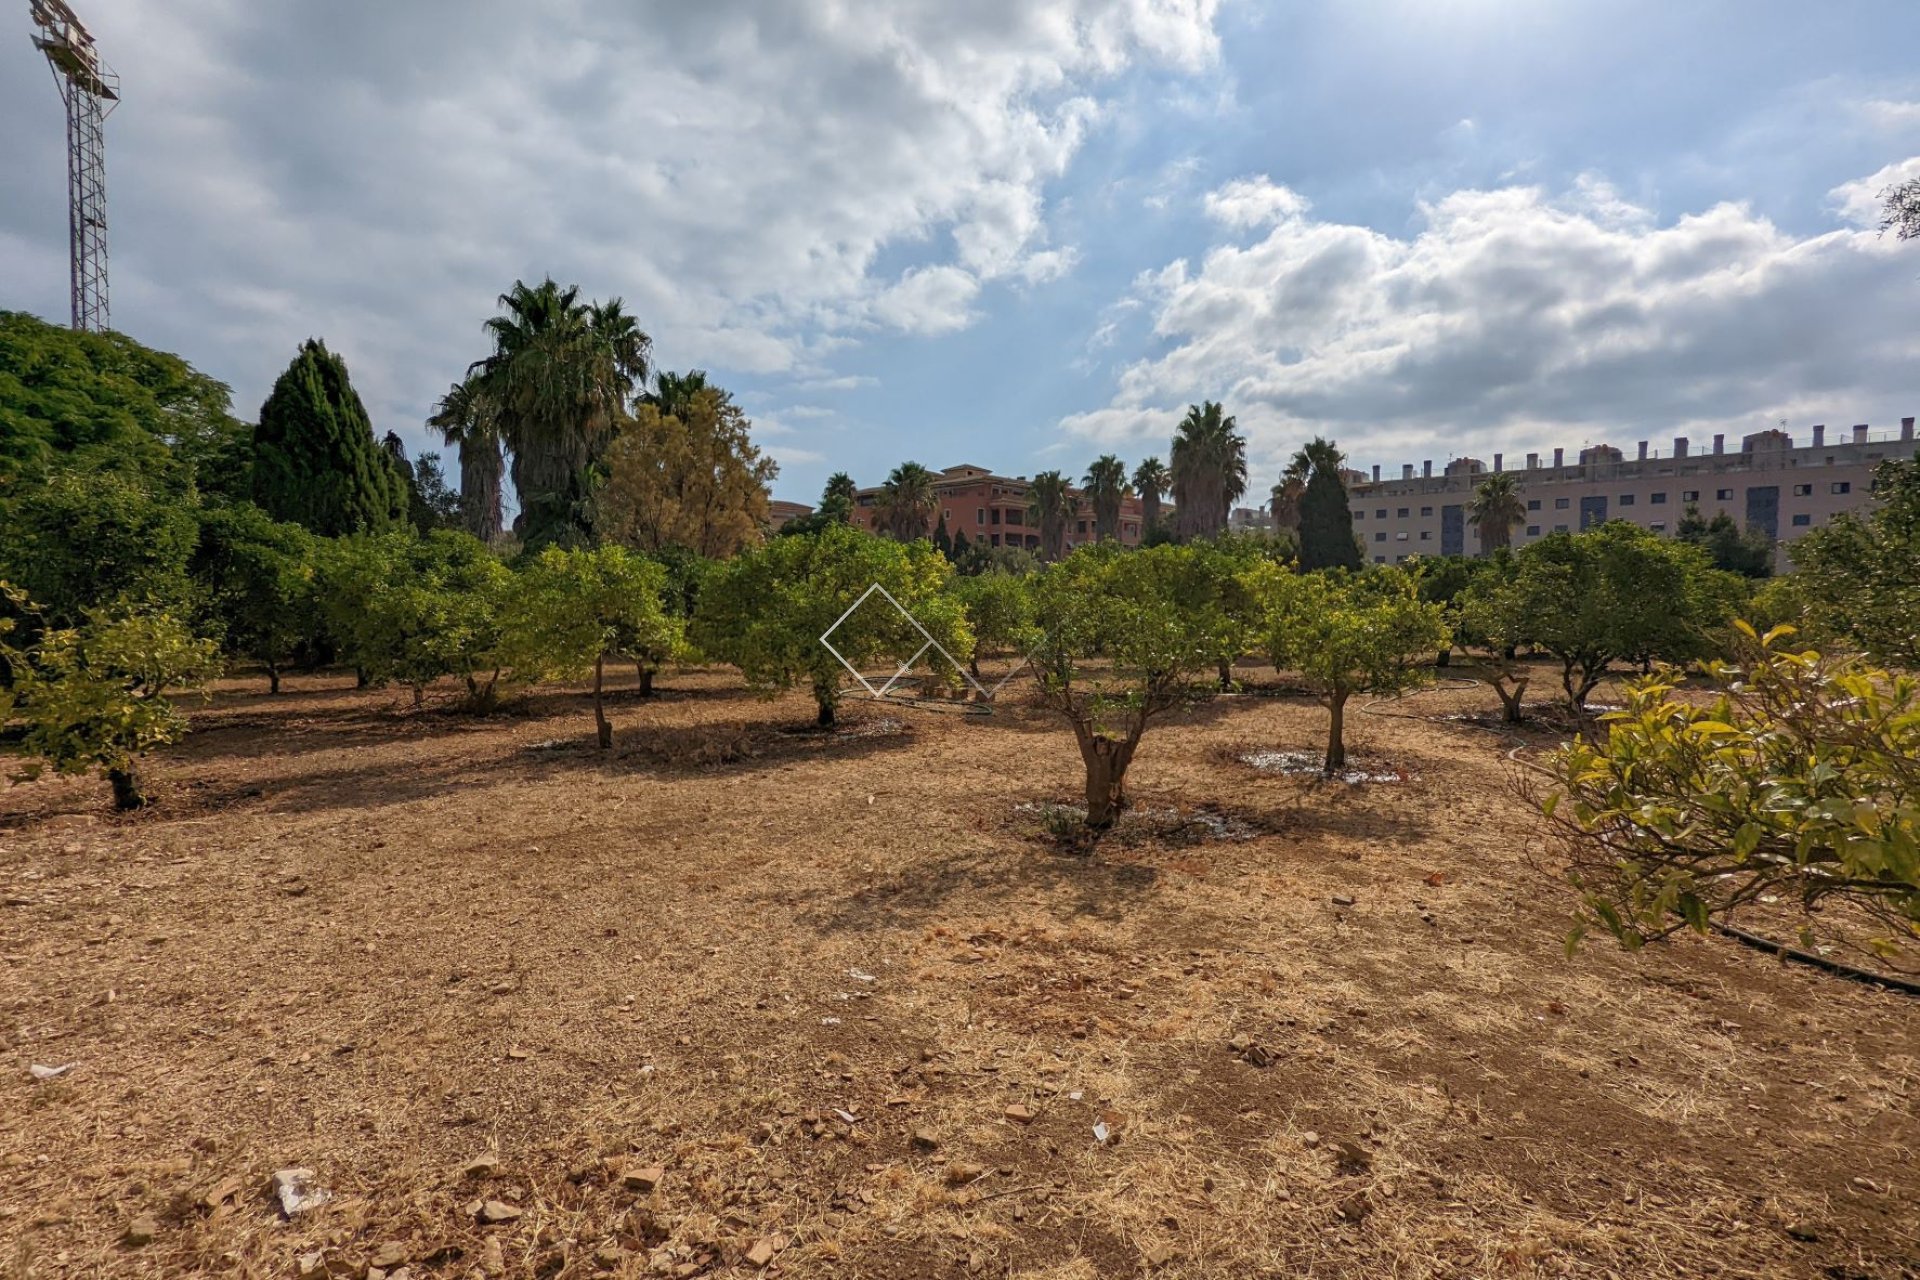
(993, 508)
(1771, 483)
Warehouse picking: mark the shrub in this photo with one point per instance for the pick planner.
(1860, 575)
(999, 612)
(1802, 779)
(261, 584)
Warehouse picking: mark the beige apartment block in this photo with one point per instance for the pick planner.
(1770, 483)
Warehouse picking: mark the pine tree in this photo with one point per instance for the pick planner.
(942, 540)
(315, 459)
(1327, 521)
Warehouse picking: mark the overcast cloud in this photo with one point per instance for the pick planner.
(1018, 232)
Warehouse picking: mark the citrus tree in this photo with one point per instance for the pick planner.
(1123, 633)
(1348, 633)
(261, 584)
(411, 609)
(94, 696)
(765, 610)
(1491, 623)
(1859, 576)
(1801, 780)
(572, 609)
(999, 612)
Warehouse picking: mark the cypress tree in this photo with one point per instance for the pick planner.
(315, 459)
(942, 540)
(1326, 524)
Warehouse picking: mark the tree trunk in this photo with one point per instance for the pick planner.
(126, 788)
(1226, 676)
(1510, 702)
(273, 678)
(1106, 762)
(646, 679)
(419, 695)
(823, 698)
(1336, 733)
(360, 677)
(603, 731)
(1445, 659)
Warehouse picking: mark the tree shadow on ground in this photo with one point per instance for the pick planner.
(908, 899)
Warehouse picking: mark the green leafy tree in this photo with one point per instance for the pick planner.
(1152, 481)
(1444, 581)
(1348, 633)
(1209, 471)
(1615, 593)
(1747, 552)
(1051, 506)
(1284, 501)
(1489, 618)
(410, 609)
(1326, 519)
(571, 610)
(1122, 636)
(1106, 489)
(907, 502)
(1496, 509)
(1859, 576)
(942, 540)
(86, 401)
(999, 613)
(261, 579)
(95, 696)
(1799, 781)
(84, 539)
(315, 459)
(765, 610)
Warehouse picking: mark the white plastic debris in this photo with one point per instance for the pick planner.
(50, 1073)
(858, 976)
(298, 1191)
(1101, 1133)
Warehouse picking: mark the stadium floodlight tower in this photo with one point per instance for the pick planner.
(90, 90)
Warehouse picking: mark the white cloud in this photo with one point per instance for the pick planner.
(1859, 201)
(1514, 319)
(1891, 115)
(737, 171)
(1254, 202)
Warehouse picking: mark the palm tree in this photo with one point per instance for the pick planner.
(1285, 499)
(1051, 503)
(1209, 471)
(1106, 486)
(464, 418)
(836, 500)
(1150, 481)
(673, 393)
(1325, 521)
(1496, 508)
(558, 381)
(908, 500)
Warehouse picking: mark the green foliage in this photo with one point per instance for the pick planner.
(765, 610)
(1208, 471)
(260, 578)
(942, 540)
(1348, 633)
(1444, 581)
(1615, 593)
(315, 461)
(572, 609)
(1801, 780)
(1859, 576)
(1747, 552)
(101, 400)
(94, 696)
(1122, 635)
(980, 556)
(1488, 617)
(999, 612)
(90, 538)
(410, 609)
(1326, 521)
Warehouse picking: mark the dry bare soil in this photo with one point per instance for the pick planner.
(736, 999)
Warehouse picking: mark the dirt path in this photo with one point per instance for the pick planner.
(380, 944)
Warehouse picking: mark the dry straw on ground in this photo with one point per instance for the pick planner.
(864, 1014)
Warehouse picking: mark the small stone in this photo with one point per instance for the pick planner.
(1240, 1043)
(483, 1166)
(1342, 900)
(1803, 1232)
(1309, 1139)
(493, 1259)
(140, 1231)
(517, 1054)
(761, 1253)
(389, 1255)
(39, 1072)
(1019, 1113)
(960, 1173)
(216, 1199)
(643, 1179)
(495, 1212)
(1356, 1207)
(923, 1140)
(1351, 1159)
(1158, 1255)
(297, 1191)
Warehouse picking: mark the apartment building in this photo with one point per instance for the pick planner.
(992, 507)
(1771, 483)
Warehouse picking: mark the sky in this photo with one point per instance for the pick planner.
(1022, 233)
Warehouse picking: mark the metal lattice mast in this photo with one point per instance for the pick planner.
(90, 90)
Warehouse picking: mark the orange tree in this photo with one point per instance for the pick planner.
(1122, 635)
(1801, 780)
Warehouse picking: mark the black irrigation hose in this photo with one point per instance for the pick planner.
(1839, 968)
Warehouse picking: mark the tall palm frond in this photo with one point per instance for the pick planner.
(1106, 486)
(1151, 481)
(1051, 504)
(1496, 509)
(1209, 471)
(465, 419)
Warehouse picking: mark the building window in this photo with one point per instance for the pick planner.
(996, 539)
(1081, 527)
(1425, 536)
(1533, 531)
(1426, 511)
(1379, 559)
(1559, 528)
(1842, 486)
(1723, 495)
(1381, 536)
(1803, 491)
(1658, 526)
(1400, 537)
(1690, 495)
(1802, 520)
(1533, 504)
(1560, 504)
(979, 515)
(1360, 514)
(1626, 499)
(1657, 499)
(1381, 514)
(1405, 512)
